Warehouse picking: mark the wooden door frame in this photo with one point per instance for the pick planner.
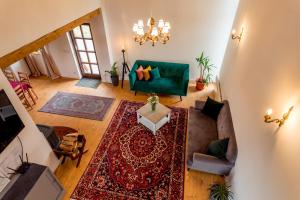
(73, 38)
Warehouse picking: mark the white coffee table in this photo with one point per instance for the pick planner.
(153, 120)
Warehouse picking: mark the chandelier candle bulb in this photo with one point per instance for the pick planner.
(165, 30)
(154, 32)
(140, 23)
(149, 22)
(135, 28)
(167, 24)
(140, 31)
(160, 23)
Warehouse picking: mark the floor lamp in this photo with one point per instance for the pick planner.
(125, 67)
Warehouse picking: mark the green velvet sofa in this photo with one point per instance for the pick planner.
(174, 78)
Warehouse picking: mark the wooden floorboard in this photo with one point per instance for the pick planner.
(196, 183)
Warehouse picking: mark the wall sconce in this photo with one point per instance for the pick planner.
(280, 122)
(234, 36)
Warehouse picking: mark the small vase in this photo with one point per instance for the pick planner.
(153, 106)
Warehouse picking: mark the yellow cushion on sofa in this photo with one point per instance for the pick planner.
(146, 73)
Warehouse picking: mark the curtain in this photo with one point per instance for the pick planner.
(49, 62)
(32, 65)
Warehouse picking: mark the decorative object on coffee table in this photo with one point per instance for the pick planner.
(153, 100)
(153, 119)
(132, 163)
(78, 105)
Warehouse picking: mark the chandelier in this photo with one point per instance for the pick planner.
(154, 34)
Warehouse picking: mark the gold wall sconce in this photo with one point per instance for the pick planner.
(280, 122)
(236, 36)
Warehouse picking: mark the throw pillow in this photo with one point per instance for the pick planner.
(146, 73)
(212, 108)
(139, 73)
(155, 73)
(218, 148)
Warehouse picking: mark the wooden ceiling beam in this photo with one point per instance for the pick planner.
(23, 51)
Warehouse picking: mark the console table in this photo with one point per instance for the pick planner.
(37, 183)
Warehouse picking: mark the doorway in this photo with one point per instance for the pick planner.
(82, 39)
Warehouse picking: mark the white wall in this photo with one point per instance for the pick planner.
(62, 54)
(19, 66)
(35, 144)
(28, 20)
(263, 71)
(197, 25)
(41, 65)
(101, 46)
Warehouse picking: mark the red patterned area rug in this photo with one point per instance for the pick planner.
(132, 163)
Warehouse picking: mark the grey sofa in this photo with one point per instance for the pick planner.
(203, 130)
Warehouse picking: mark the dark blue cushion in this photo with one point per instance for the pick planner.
(218, 148)
(212, 108)
(155, 74)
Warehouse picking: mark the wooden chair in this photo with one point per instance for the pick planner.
(24, 84)
(24, 79)
(9, 75)
(21, 94)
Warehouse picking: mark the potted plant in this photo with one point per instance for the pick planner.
(114, 74)
(220, 192)
(205, 71)
(153, 100)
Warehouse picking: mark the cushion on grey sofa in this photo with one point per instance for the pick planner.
(212, 108)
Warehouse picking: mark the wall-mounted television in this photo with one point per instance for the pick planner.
(10, 122)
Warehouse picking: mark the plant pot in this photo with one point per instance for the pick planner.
(115, 80)
(220, 191)
(199, 85)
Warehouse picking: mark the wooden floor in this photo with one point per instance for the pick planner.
(196, 183)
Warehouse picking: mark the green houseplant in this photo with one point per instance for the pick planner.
(205, 71)
(220, 192)
(114, 74)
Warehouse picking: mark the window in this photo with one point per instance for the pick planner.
(85, 50)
